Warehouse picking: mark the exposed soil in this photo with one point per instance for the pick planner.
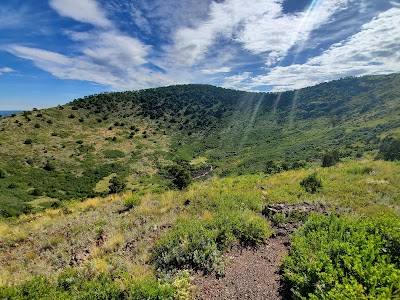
(254, 273)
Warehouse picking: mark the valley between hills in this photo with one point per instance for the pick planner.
(184, 192)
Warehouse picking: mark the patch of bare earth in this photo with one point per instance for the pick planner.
(254, 273)
(251, 274)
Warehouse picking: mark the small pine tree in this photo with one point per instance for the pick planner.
(3, 173)
(390, 149)
(180, 175)
(116, 185)
(311, 183)
(49, 166)
(330, 159)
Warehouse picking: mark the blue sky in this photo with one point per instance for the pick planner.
(53, 51)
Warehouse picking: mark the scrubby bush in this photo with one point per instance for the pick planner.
(37, 192)
(345, 258)
(198, 244)
(390, 149)
(73, 285)
(132, 201)
(117, 185)
(49, 166)
(180, 175)
(330, 159)
(110, 153)
(311, 183)
(3, 173)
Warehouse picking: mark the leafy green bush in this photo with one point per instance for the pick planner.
(180, 175)
(111, 153)
(132, 201)
(390, 149)
(3, 173)
(345, 258)
(330, 159)
(311, 183)
(73, 285)
(49, 166)
(117, 185)
(198, 244)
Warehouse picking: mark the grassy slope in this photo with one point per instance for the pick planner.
(92, 238)
(234, 130)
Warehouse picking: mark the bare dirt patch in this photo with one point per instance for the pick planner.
(254, 273)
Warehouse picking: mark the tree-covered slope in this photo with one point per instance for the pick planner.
(72, 151)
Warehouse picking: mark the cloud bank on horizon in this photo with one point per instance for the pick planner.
(263, 45)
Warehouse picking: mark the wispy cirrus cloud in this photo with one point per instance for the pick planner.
(103, 55)
(87, 11)
(82, 68)
(6, 70)
(373, 50)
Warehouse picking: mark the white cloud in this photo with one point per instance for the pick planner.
(275, 33)
(6, 70)
(12, 17)
(261, 28)
(86, 11)
(116, 51)
(192, 44)
(216, 71)
(82, 68)
(373, 50)
(237, 81)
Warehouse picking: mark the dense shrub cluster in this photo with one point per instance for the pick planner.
(345, 258)
(72, 285)
(198, 244)
(330, 159)
(111, 153)
(311, 183)
(390, 149)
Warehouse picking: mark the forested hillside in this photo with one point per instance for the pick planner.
(72, 151)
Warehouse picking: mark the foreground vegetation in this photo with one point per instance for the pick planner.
(135, 246)
(345, 258)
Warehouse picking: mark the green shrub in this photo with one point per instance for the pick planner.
(180, 175)
(117, 185)
(390, 149)
(73, 285)
(330, 159)
(132, 201)
(37, 192)
(28, 141)
(344, 258)
(49, 166)
(198, 244)
(110, 153)
(3, 173)
(311, 183)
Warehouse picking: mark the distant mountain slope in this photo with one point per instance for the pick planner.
(73, 150)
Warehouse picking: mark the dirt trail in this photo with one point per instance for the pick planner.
(251, 274)
(254, 273)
